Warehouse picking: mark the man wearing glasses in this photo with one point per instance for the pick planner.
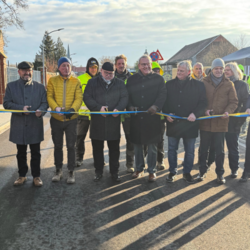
(147, 92)
(105, 93)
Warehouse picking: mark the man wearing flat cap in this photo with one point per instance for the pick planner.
(105, 93)
(26, 128)
(64, 93)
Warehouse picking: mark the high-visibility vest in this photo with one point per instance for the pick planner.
(84, 80)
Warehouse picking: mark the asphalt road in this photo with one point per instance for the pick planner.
(131, 215)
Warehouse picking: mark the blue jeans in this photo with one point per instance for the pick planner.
(233, 150)
(173, 144)
(151, 158)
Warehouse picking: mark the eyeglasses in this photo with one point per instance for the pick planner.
(27, 70)
(108, 74)
(145, 64)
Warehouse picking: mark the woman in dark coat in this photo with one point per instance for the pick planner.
(233, 72)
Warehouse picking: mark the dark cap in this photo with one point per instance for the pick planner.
(108, 66)
(93, 63)
(25, 65)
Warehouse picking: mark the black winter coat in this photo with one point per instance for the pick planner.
(145, 91)
(182, 100)
(242, 90)
(97, 94)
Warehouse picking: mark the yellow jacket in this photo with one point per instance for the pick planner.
(84, 80)
(64, 92)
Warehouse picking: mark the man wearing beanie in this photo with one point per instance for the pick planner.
(105, 93)
(26, 128)
(222, 99)
(64, 93)
(83, 120)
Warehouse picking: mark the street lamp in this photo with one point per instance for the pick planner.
(44, 37)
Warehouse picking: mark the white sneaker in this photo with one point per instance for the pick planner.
(130, 169)
(58, 175)
(71, 177)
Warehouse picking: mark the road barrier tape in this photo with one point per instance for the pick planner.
(123, 112)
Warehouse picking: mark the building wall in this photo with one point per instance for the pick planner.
(3, 78)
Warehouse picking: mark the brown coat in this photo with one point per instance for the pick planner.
(220, 99)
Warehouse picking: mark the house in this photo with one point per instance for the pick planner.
(241, 56)
(78, 70)
(204, 51)
(3, 75)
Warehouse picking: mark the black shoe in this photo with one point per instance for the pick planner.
(221, 179)
(171, 177)
(234, 174)
(97, 177)
(201, 176)
(188, 177)
(244, 177)
(116, 177)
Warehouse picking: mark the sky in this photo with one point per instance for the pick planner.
(99, 28)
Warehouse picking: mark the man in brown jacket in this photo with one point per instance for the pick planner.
(221, 99)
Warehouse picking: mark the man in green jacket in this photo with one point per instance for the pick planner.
(83, 122)
(160, 147)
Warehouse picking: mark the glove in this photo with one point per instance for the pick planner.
(152, 110)
(68, 116)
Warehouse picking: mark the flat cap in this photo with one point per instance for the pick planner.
(25, 65)
(108, 66)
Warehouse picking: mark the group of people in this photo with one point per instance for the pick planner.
(191, 94)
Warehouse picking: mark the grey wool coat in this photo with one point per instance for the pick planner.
(25, 129)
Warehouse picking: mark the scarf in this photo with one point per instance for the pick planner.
(232, 78)
(216, 80)
(26, 82)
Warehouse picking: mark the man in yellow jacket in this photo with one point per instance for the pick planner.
(83, 122)
(64, 93)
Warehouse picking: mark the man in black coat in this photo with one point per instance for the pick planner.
(147, 92)
(26, 128)
(186, 97)
(103, 93)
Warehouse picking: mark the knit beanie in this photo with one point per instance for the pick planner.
(218, 62)
(62, 60)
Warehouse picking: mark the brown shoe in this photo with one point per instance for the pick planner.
(152, 177)
(137, 174)
(19, 181)
(37, 182)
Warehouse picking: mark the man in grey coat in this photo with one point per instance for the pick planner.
(103, 93)
(26, 128)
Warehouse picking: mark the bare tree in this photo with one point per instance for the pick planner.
(241, 42)
(104, 59)
(9, 13)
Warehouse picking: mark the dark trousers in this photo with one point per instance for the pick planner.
(35, 161)
(160, 146)
(217, 139)
(82, 130)
(130, 153)
(58, 128)
(247, 154)
(114, 154)
(211, 154)
(233, 150)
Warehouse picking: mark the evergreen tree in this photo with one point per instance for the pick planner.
(49, 47)
(60, 51)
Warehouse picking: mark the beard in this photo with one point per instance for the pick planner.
(26, 77)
